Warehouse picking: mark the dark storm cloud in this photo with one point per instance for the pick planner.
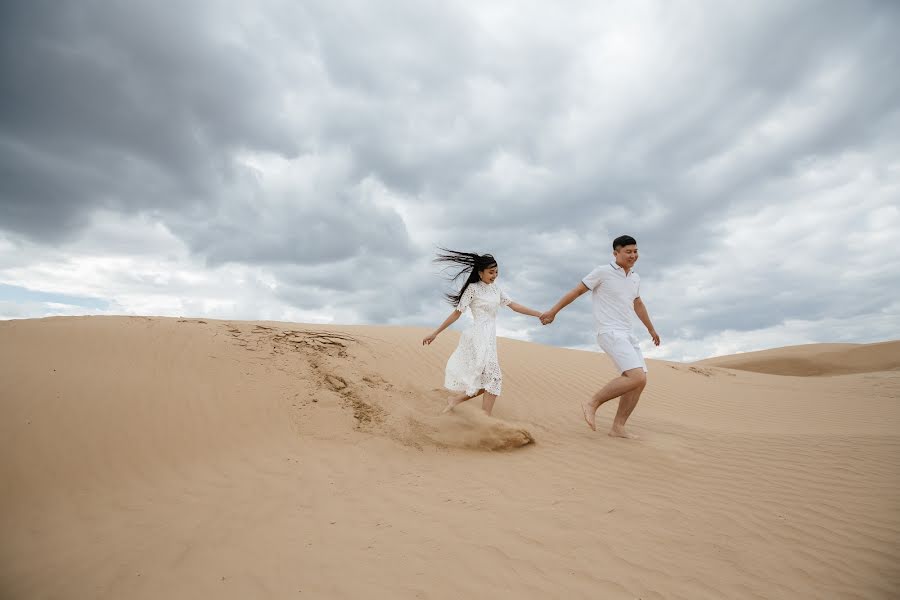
(135, 109)
(123, 106)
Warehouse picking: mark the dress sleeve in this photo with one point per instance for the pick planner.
(466, 299)
(504, 299)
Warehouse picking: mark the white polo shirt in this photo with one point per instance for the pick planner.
(613, 294)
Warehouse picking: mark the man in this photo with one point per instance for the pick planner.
(616, 295)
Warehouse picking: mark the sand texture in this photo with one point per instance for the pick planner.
(148, 458)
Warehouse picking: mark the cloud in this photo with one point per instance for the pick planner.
(275, 160)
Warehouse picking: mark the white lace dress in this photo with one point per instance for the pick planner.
(473, 365)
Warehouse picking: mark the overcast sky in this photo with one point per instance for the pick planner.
(301, 161)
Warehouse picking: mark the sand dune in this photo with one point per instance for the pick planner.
(185, 458)
(815, 359)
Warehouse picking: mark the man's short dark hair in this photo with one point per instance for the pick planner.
(624, 240)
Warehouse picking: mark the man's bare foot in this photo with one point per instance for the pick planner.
(621, 433)
(589, 411)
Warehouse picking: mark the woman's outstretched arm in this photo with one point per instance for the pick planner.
(447, 323)
(524, 309)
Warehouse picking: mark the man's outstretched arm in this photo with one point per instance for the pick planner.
(566, 300)
(641, 311)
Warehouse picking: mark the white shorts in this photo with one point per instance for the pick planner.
(622, 347)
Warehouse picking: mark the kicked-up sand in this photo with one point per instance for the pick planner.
(184, 458)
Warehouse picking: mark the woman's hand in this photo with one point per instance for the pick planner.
(428, 339)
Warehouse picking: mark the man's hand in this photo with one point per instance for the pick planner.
(547, 318)
(655, 337)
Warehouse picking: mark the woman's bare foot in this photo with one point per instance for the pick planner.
(621, 433)
(453, 403)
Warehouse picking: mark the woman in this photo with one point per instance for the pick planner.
(473, 368)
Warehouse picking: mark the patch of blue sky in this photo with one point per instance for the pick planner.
(14, 293)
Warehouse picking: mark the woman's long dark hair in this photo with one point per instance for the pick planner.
(467, 263)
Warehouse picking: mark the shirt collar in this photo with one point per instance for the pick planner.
(616, 266)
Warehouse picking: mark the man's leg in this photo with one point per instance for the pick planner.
(623, 384)
(627, 403)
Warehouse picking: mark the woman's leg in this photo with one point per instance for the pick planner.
(454, 401)
(487, 403)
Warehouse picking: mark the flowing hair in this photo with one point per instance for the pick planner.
(466, 263)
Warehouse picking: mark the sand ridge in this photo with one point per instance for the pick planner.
(184, 458)
(815, 359)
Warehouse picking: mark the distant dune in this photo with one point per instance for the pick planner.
(815, 359)
(148, 458)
